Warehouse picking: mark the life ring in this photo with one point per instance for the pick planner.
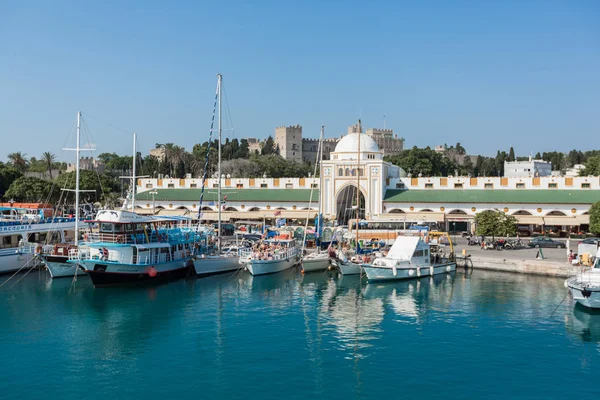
(120, 239)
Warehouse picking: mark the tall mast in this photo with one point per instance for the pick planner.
(358, 183)
(77, 179)
(320, 159)
(133, 180)
(220, 86)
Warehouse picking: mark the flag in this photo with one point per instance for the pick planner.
(277, 212)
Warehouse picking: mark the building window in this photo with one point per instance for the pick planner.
(263, 185)
(347, 171)
(458, 186)
(552, 185)
(520, 185)
(585, 185)
(239, 185)
(400, 185)
(215, 185)
(314, 185)
(429, 186)
(170, 185)
(289, 185)
(353, 171)
(341, 172)
(488, 185)
(148, 186)
(193, 185)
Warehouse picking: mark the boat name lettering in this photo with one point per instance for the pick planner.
(15, 228)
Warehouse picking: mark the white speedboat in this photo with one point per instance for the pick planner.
(315, 262)
(270, 256)
(347, 266)
(409, 257)
(212, 264)
(56, 259)
(585, 287)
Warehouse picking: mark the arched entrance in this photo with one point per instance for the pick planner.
(346, 205)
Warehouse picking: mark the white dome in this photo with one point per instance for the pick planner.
(349, 144)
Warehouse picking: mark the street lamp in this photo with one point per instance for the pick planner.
(153, 193)
(454, 231)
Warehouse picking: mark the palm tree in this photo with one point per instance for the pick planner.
(19, 161)
(49, 159)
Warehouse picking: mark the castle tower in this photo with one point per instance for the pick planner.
(289, 141)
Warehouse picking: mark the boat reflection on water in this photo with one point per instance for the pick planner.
(584, 323)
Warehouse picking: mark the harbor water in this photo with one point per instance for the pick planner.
(474, 334)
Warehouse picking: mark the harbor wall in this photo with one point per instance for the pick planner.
(533, 267)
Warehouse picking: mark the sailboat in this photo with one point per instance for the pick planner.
(220, 262)
(316, 261)
(352, 266)
(57, 257)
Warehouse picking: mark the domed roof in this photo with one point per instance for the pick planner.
(349, 144)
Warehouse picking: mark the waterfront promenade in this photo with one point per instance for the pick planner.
(520, 261)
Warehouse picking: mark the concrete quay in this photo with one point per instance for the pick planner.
(522, 261)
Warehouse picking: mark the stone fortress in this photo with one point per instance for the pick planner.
(292, 146)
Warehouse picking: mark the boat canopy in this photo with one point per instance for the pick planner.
(404, 247)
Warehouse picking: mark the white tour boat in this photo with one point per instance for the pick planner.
(132, 248)
(409, 257)
(24, 231)
(585, 287)
(271, 255)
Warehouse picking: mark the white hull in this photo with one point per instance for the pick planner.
(63, 269)
(263, 267)
(347, 267)
(585, 293)
(210, 265)
(384, 273)
(14, 262)
(317, 262)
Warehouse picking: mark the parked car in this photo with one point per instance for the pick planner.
(592, 240)
(546, 242)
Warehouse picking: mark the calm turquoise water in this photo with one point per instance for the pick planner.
(287, 336)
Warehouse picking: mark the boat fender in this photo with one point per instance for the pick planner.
(448, 268)
(566, 283)
(152, 272)
(394, 270)
(431, 270)
(411, 272)
(418, 271)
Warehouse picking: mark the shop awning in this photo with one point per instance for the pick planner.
(413, 217)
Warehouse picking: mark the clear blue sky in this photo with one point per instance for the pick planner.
(488, 74)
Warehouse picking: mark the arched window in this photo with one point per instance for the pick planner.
(347, 171)
(341, 172)
(353, 171)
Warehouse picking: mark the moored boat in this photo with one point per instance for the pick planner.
(131, 248)
(410, 257)
(585, 286)
(272, 255)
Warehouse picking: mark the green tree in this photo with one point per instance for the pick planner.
(595, 218)
(49, 158)
(19, 161)
(423, 161)
(592, 167)
(8, 174)
(495, 223)
(32, 190)
(244, 150)
(90, 180)
(511, 154)
(268, 147)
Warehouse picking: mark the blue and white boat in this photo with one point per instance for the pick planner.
(410, 257)
(130, 248)
(24, 231)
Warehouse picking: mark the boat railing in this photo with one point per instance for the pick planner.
(271, 254)
(162, 235)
